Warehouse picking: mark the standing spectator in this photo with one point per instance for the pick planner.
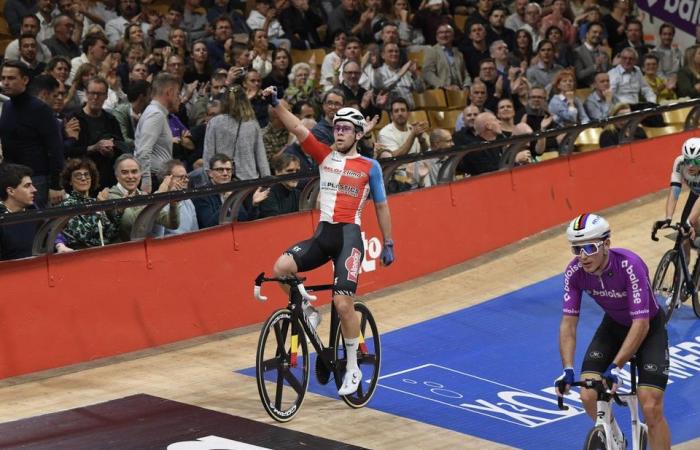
(275, 134)
(591, 57)
(516, 20)
(533, 19)
(564, 106)
(443, 66)
(611, 134)
(542, 73)
(689, 75)
(251, 83)
(80, 179)
(279, 75)
(62, 44)
(332, 61)
(556, 18)
(223, 30)
(128, 174)
(153, 138)
(670, 57)
(262, 56)
(188, 214)
(14, 11)
(301, 25)
(563, 52)
(220, 171)
(599, 103)
(236, 134)
(399, 81)
(30, 25)
(497, 30)
(28, 55)
(264, 17)
(283, 197)
(194, 22)
(474, 48)
(634, 35)
(664, 89)
(127, 114)
(100, 137)
(16, 195)
(128, 10)
(30, 135)
(94, 52)
(627, 81)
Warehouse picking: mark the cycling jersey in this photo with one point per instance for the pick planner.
(680, 175)
(623, 289)
(346, 182)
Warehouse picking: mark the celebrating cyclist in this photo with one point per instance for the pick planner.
(633, 324)
(347, 179)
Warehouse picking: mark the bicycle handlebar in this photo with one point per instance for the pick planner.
(684, 227)
(290, 281)
(597, 385)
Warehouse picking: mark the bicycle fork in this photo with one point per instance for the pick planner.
(604, 419)
(637, 425)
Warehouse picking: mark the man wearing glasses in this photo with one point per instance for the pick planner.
(100, 137)
(347, 179)
(633, 324)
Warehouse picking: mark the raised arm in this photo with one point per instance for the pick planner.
(290, 121)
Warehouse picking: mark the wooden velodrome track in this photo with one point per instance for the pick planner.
(199, 372)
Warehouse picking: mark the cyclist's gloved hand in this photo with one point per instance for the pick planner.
(564, 382)
(270, 96)
(661, 224)
(387, 255)
(612, 377)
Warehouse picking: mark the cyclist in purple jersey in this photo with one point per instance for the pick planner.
(633, 324)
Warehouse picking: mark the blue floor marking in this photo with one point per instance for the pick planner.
(487, 371)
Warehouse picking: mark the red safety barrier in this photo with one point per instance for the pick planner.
(64, 309)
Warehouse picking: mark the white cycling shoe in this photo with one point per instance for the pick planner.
(351, 381)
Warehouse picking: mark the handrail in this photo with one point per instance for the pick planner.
(56, 217)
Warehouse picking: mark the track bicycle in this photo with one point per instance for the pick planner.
(600, 437)
(673, 282)
(282, 361)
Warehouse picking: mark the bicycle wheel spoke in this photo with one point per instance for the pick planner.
(278, 391)
(363, 324)
(293, 382)
(272, 364)
(281, 337)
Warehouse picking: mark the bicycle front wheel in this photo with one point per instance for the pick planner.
(666, 283)
(282, 366)
(369, 356)
(596, 439)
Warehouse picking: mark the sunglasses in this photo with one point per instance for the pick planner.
(344, 129)
(692, 162)
(589, 249)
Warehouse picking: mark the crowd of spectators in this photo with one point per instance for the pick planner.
(116, 98)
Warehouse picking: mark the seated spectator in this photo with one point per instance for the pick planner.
(522, 54)
(251, 83)
(283, 197)
(188, 215)
(367, 102)
(399, 81)
(199, 69)
(279, 75)
(62, 44)
(627, 81)
(537, 116)
(478, 95)
(670, 57)
(76, 96)
(30, 25)
(16, 195)
(689, 74)
(100, 137)
(564, 106)
(236, 134)
(591, 14)
(563, 52)
(556, 18)
(481, 15)
(128, 174)
(542, 73)
(399, 137)
(275, 135)
(80, 179)
(664, 89)
(464, 134)
(474, 48)
(517, 19)
(443, 66)
(94, 52)
(533, 18)
(331, 102)
(333, 60)
(634, 39)
(128, 114)
(301, 24)
(601, 100)
(220, 172)
(506, 115)
(302, 84)
(496, 29)
(611, 134)
(496, 85)
(223, 30)
(346, 16)
(403, 16)
(28, 46)
(304, 110)
(59, 68)
(264, 17)
(261, 54)
(591, 57)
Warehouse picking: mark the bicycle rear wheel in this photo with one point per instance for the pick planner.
(369, 355)
(596, 439)
(282, 366)
(666, 283)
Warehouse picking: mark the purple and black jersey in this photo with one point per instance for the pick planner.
(623, 290)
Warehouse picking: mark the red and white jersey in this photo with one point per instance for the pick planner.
(346, 182)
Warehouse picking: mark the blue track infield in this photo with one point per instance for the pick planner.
(487, 371)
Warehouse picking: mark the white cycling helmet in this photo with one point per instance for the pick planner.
(353, 116)
(588, 227)
(691, 148)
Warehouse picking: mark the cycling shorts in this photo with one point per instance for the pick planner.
(688, 206)
(337, 242)
(652, 355)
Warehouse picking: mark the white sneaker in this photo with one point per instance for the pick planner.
(351, 381)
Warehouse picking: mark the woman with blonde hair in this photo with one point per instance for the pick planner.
(688, 84)
(236, 133)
